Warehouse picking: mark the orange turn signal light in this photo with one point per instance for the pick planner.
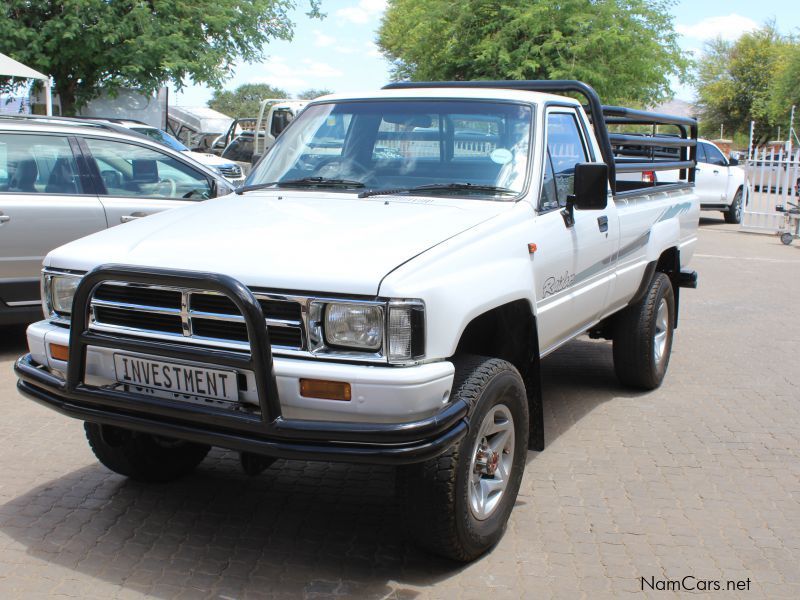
(59, 352)
(532, 248)
(325, 390)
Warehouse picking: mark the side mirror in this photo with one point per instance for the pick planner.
(219, 145)
(590, 190)
(732, 162)
(591, 186)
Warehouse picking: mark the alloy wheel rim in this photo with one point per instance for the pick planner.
(492, 460)
(661, 332)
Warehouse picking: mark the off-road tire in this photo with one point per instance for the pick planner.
(142, 456)
(434, 494)
(734, 213)
(634, 337)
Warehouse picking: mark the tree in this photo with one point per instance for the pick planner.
(312, 93)
(626, 49)
(93, 45)
(786, 89)
(736, 82)
(244, 100)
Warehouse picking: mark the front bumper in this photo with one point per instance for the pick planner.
(264, 428)
(377, 443)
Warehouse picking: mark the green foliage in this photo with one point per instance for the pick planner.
(737, 80)
(626, 49)
(312, 93)
(244, 100)
(89, 45)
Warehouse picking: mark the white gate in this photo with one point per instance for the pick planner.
(773, 176)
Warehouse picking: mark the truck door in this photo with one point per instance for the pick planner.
(711, 175)
(573, 266)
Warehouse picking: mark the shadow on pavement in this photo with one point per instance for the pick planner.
(298, 530)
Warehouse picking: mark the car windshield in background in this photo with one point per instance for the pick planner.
(432, 147)
(162, 137)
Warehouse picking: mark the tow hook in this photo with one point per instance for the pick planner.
(254, 464)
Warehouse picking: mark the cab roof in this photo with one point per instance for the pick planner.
(452, 93)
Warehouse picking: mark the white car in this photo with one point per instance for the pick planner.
(227, 168)
(382, 291)
(62, 179)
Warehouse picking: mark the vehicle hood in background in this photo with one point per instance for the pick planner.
(287, 240)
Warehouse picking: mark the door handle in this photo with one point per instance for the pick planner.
(132, 217)
(602, 223)
(4, 218)
(716, 171)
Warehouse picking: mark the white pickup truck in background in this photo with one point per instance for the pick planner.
(381, 291)
(719, 181)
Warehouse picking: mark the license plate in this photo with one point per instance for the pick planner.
(177, 378)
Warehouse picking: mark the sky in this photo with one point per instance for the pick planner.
(338, 53)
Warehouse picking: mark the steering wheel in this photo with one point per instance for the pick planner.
(173, 187)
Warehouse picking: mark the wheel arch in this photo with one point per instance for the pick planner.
(508, 331)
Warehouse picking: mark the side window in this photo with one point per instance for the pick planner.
(566, 149)
(38, 164)
(701, 153)
(549, 196)
(714, 156)
(131, 170)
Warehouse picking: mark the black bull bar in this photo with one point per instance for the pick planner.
(264, 432)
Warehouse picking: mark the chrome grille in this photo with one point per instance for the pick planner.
(190, 315)
(232, 171)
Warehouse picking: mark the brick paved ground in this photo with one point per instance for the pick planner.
(701, 478)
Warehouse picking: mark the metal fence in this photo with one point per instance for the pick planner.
(772, 177)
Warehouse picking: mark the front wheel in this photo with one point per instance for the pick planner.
(734, 212)
(643, 336)
(457, 505)
(143, 456)
(786, 238)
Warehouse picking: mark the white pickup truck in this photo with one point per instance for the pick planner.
(381, 291)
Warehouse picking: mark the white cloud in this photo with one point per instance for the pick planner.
(363, 12)
(373, 50)
(728, 27)
(277, 71)
(323, 41)
(315, 68)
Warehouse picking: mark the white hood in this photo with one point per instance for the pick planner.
(288, 240)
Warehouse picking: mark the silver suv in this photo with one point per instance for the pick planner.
(62, 179)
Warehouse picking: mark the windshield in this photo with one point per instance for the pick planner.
(162, 137)
(482, 146)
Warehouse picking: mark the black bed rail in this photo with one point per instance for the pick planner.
(601, 116)
(646, 146)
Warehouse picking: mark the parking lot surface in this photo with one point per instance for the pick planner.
(698, 481)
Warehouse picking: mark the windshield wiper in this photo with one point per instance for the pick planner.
(302, 182)
(439, 187)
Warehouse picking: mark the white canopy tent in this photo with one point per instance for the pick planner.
(11, 68)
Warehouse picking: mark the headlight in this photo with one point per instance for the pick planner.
(358, 326)
(59, 290)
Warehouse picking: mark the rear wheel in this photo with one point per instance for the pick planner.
(643, 336)
(734, 212)
(457, 505)
(786, 238)
(143, 456)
